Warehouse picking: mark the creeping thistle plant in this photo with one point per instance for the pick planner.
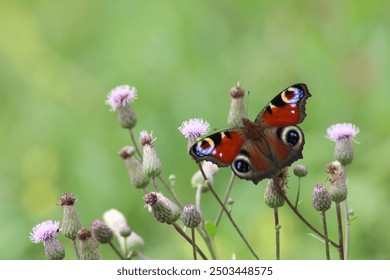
(144, 166)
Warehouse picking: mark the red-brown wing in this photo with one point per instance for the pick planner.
(287, 108)
(220, 148)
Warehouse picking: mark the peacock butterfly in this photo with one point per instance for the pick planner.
(259, 149)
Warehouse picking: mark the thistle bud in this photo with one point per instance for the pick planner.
(321, 198)
(102, 232)
(125, 231)
(343, 152)
(190, 216)
(272, 196)
(237, 109)
(70, 222)
(164, 210)
(300, 171)
(150, 162)
(336, 177)
(134, 167)
(88, 245)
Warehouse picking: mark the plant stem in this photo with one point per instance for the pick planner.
(347, 222)
(76, 249)
(326, 235)
(116, 250)
(228, 213)
(228, 190)
(182, 233)
(155, 184)
(298, 192)
(340, 230)
(299, 215)
(277, 232)
(135, 143)
(193, 243)
(171, 191)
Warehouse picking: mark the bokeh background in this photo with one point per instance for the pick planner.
(59, 59)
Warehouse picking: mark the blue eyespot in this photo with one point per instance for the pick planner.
(242, 166)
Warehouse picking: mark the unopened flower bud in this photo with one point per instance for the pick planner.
(134, 167)
(190, 216)
(300, 171)
(275, 185)
(125, 231)
(230, 201)
(71, 222)
(237, 108)
(321, 198)
(102, 232)
(150, 161)
(164, 210)
(88, 245)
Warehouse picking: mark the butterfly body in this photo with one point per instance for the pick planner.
(258, 150)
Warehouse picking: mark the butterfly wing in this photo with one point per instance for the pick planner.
(287, 108)
(220, 148)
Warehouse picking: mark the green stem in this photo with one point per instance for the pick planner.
(347, 222)
(277, 232)
(182, 233)
(116, 250)
(299, 215)
(298, 192)
(76, 249)
(135, 143)
(228, 190)
(340, 230)
(228, 213)
(326, 235)
(193, 243)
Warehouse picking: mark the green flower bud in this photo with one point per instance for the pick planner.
(300, 171)
(164, 210)
(102, 232)
(190, 216)
(336, 177)
(272, 196)
(321, 198)
(150, 161)
(54, 250)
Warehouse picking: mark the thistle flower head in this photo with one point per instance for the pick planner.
(70, 221)
(342, 134)
(134, 167)
(342, 131)
(150, 162)
(336, 177)
(237, 107)
(321, 198)
(101, 231)
(164, 210)
(120, 99)
(190, 216)
(121, 96)
(44, 231)
(194, 128)
(88, 245)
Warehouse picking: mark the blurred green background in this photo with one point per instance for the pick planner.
(59, 59)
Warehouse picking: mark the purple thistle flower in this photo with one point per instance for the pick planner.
(44, 231)
(342, 131)
(194, 128)
(121, 96)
